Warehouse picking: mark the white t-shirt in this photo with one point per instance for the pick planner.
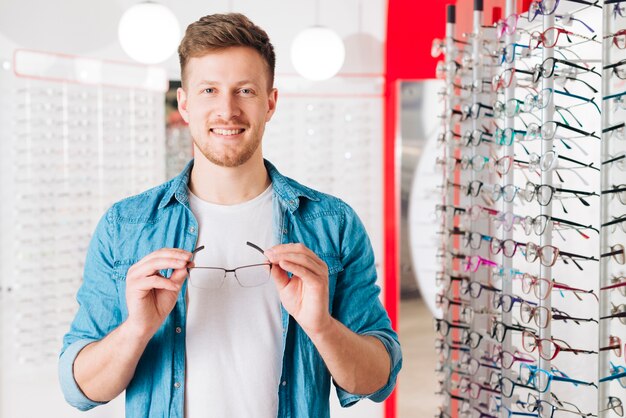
(233, 333)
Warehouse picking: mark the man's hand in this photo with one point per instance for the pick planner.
(305, 295)
(150, 297)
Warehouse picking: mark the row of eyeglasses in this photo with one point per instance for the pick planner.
(473, 333)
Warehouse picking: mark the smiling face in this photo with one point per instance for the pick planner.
(226, 100)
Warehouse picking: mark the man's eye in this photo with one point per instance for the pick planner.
(246, 91)
(209, 90)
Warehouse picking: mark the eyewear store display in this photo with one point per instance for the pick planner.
(533, 212)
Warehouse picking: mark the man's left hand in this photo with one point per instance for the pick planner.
(305, 294)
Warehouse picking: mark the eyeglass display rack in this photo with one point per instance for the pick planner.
(77, 134)
(532, 204)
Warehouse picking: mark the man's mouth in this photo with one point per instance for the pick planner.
(227, 132)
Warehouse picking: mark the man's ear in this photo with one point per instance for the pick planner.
(271, 101)
(181, 96)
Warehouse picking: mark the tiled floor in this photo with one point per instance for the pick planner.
(418, 381)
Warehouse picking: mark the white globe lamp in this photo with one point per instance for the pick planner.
(149, 32)
(317, 53)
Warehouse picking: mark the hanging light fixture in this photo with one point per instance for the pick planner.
(149, 32)
(317, 53)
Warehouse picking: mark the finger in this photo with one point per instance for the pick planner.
(168, 253)
(155, 282)
(299, 248)
(153, 266)
(280, 277)
(178, 276)
(303, 260)
(299, 270)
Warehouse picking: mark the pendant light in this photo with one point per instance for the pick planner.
(149, 32)
(317, 53)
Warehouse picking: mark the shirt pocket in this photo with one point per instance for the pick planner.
(334, 268)
(120, 269)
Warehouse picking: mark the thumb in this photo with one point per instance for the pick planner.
(178, 276)
(280, 276)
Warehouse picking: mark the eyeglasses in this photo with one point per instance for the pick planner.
(544, 193)
(509, 52)
(546, 68)
(549, 37)
(619, 38)
(547, 131)
(475, 288)
(541, 379)
(617, 252)
(617, 282)
(617, 373)
(614, 404)
(543, 287)
(507, 386)
(542, 315)
(547, 409)
(548, 7)
(617, 311)
(251, 275)
(619, 69)
(476, 261)
(548, 255)
(507, 246)
(499, 330)
(619, 190)
(544, 96)
(503, 80)
(443, 326)
(615, 344)
(548, 348)
(506, 302)
(476, 137)
(445, 349)
(539, 223)
(616, 222)
(506, 359)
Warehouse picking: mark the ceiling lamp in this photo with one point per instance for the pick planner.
(149, 32)
(317, 53)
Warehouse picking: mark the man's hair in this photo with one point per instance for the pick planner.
(220, 31)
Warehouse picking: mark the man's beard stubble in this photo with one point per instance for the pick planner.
(231, 158)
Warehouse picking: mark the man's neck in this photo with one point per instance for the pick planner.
(228, 186)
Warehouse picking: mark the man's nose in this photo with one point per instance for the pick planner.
(228, 107)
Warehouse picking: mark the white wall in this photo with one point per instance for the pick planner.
(90, 27)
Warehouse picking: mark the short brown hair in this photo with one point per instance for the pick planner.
(219, 31)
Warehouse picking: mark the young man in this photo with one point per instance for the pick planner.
(211, 332)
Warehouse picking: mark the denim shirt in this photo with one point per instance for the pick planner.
(160, 217)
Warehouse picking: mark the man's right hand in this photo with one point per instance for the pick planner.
(150, 297)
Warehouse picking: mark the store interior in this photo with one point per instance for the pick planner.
(481, 143)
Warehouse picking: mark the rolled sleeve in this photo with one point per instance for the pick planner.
(98, 312)
(357, 304)
(73, 395)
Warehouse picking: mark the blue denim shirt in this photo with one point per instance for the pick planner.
(160, 217)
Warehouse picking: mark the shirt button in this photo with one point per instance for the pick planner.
(179, 330)
(284, 383)
(192, 229)
(285, 231)
(177, 385)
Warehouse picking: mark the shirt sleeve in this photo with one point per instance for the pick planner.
(98, 312)
(356, 302)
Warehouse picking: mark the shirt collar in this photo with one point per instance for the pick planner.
(286, 190)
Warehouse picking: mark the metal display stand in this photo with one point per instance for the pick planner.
(545, 338)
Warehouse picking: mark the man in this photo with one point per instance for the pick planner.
(210, 333)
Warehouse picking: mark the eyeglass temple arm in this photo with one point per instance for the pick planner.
(256, 247)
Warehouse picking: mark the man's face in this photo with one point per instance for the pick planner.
(226, 103)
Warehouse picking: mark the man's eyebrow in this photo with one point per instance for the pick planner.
(239, 83)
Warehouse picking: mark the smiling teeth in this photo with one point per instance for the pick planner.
(228, 131)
